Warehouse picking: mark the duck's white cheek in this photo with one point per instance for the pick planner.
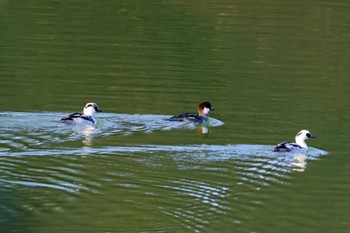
(206, 110)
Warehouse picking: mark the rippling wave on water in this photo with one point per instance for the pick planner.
(34, 134)
(25, 131)
(226, 176)
(41, 134)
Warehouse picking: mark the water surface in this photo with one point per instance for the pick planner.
(269, 68)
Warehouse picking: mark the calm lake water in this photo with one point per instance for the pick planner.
(269, 68)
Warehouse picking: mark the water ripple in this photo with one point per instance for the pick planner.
(25, 131)
(200, 181)
(191, 184)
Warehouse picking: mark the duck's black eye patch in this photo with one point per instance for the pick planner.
(308, 135)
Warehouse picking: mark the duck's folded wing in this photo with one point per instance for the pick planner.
(72, 116)
(283, 146)
(184, 117)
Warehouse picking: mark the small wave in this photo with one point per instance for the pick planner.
(202, 153)
(23, 131)
(40, 134)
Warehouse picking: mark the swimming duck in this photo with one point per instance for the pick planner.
(87, 117)
(299, 144)
(203, 114)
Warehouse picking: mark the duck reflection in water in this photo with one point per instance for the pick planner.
(202, 129)
(299, 162)
(86, 132)
(200, 120)
(299, 148)
(84, 122)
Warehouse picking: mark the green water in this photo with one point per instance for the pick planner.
(269, 68)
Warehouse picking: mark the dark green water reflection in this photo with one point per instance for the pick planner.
(270, 69)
